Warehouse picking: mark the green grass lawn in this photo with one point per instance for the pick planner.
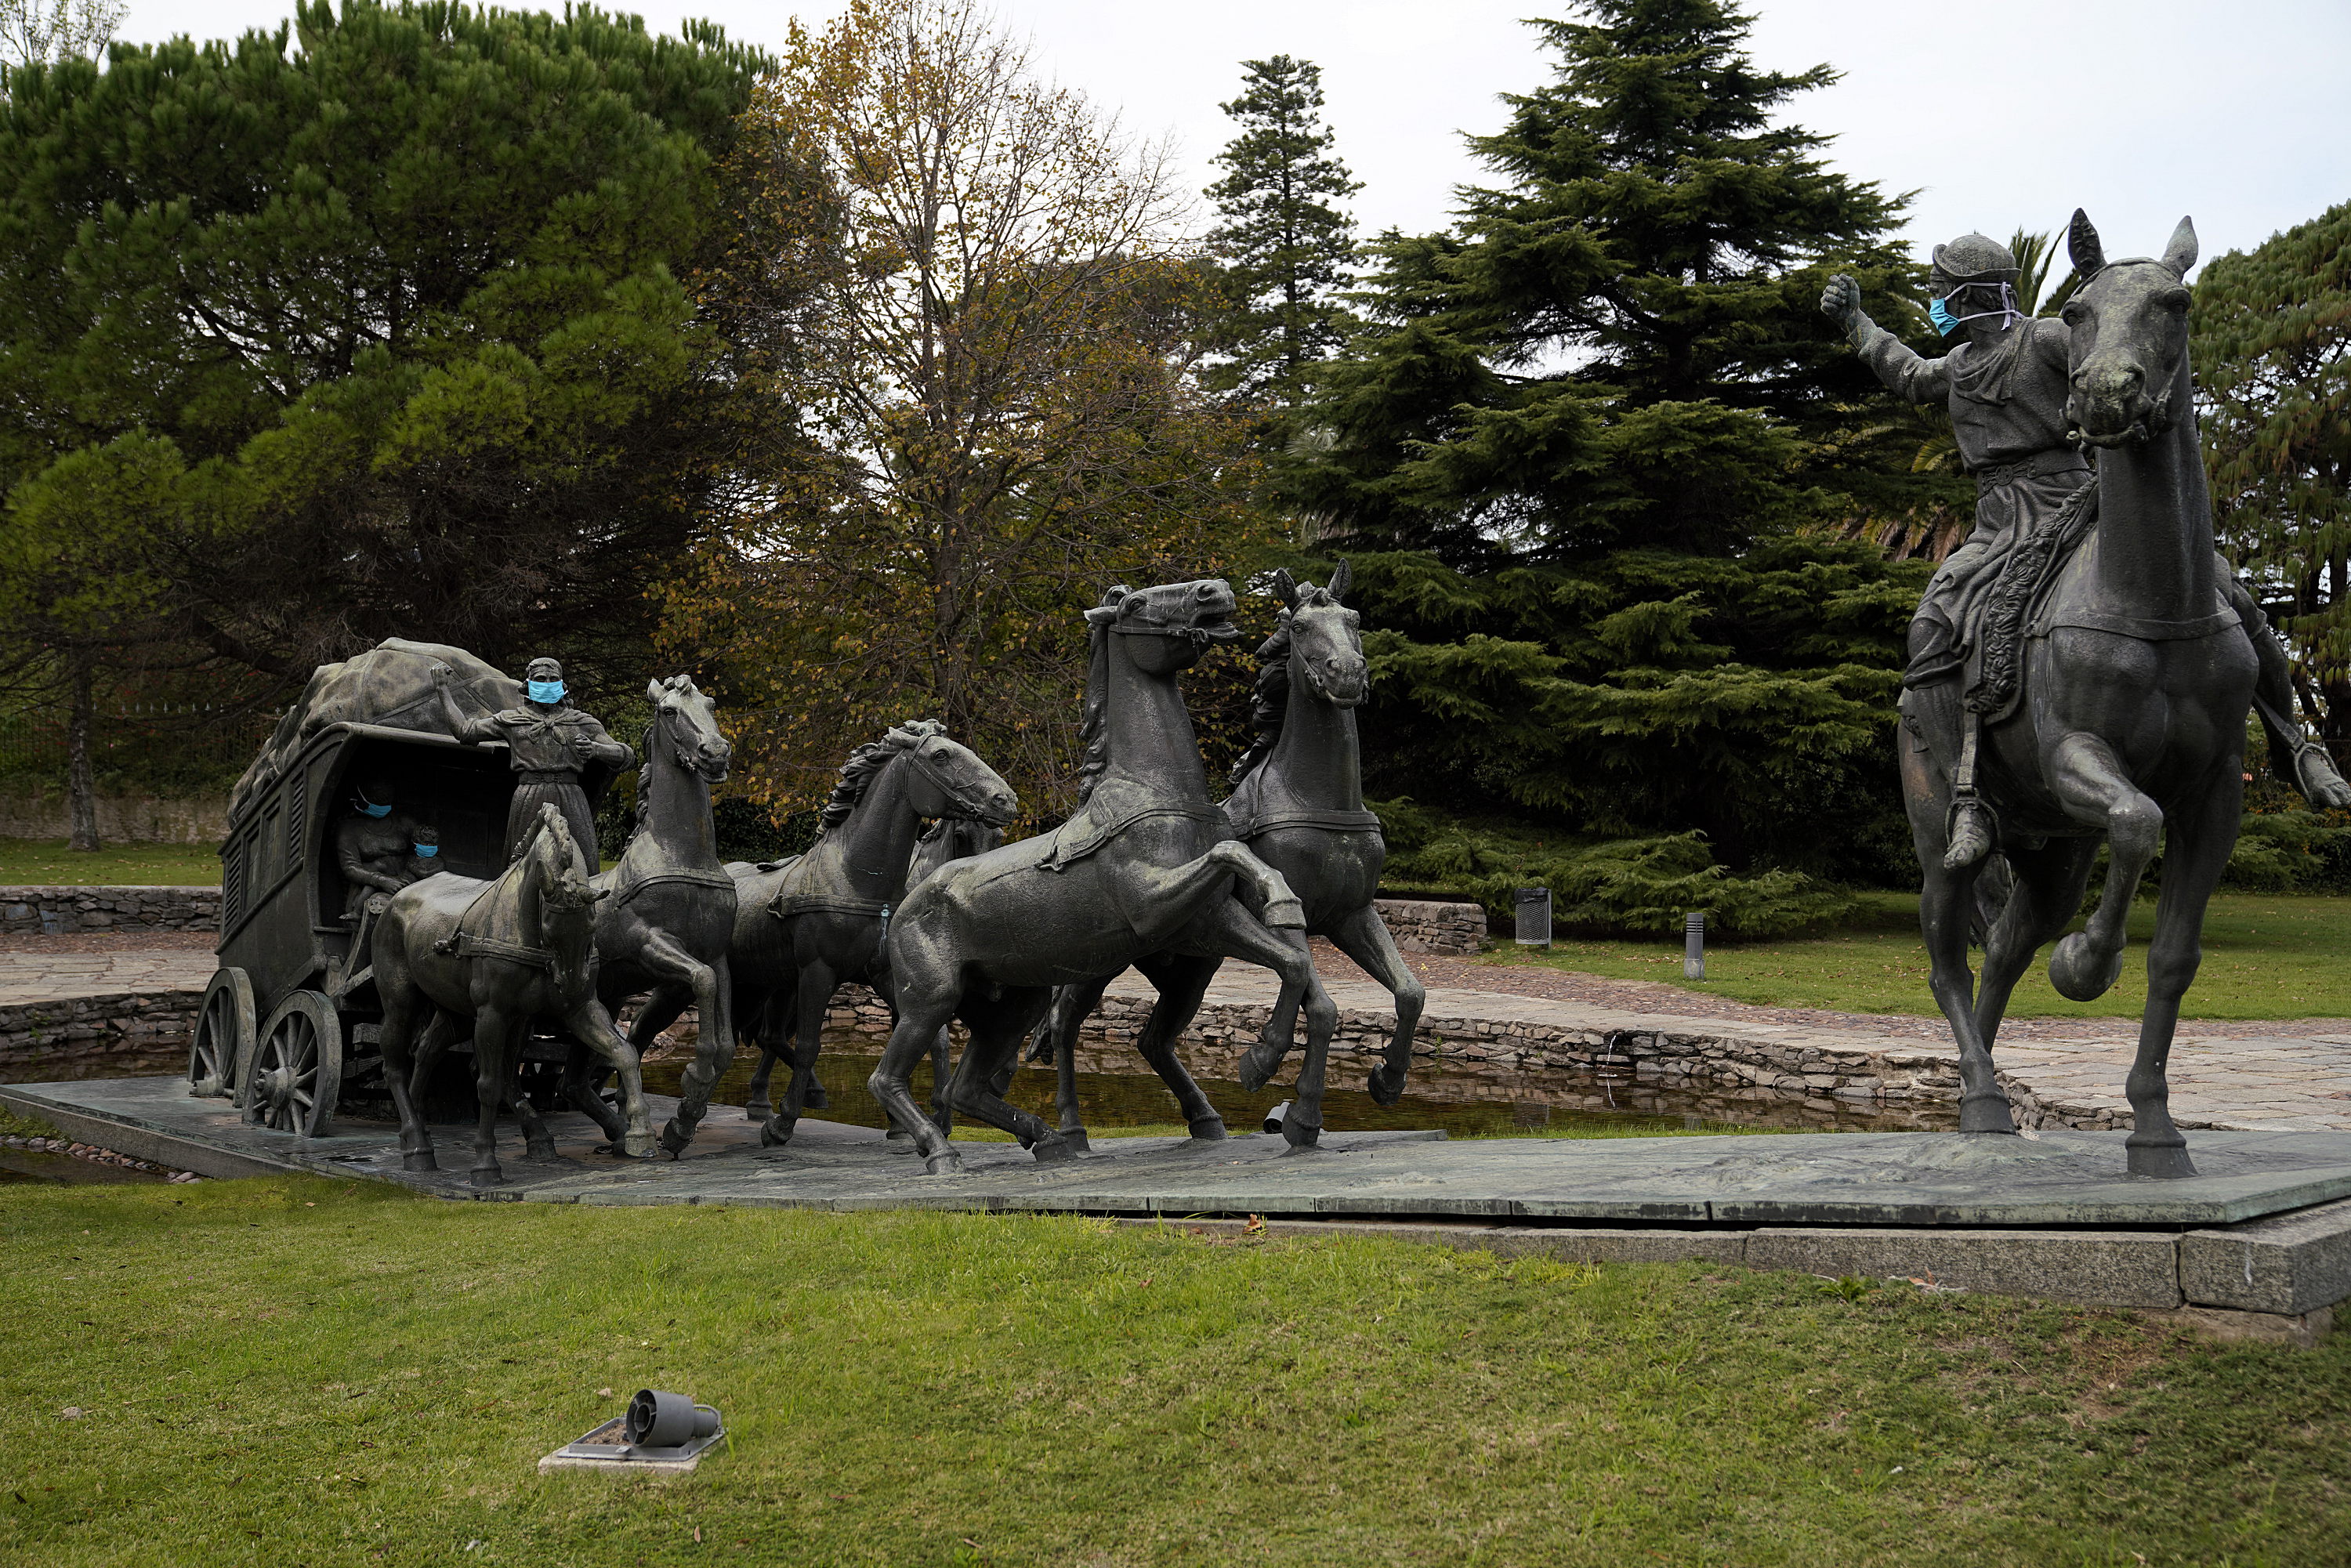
(294, 1372)
(2266, 956)
(38, 862)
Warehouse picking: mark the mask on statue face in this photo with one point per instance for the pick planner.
(1939, 311)
(546, 690)
(427, 851)
(1940, 315)
(368, 810)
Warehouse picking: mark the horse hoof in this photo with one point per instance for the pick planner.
(1986, 1113)
(898, 1133)
(2166, 1160)
(673, 1141)
(1053, 1149)
(2079, 972)
(1257, 1066)
(1301, 1135)
(1381, 1093)
(759, 1110)
(947, 1162)
(636, 1144)
(1285, 914)
(1206, 1130)
(816, 1100)
(488, 1176)
(774, 1133)
(422, 1160)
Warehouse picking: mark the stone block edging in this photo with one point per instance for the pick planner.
(1430, 925)
(76, 1032)
(59, 911)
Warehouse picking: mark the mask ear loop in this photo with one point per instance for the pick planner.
(2008, 313)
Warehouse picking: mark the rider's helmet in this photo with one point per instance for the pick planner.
(1970, 259)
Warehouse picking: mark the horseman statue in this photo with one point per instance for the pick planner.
(2005, 386)
(550, 743)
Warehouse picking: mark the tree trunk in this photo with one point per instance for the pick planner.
(81, 792)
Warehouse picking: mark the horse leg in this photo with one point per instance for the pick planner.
(1363, 936)
(754, 1015)
(1946, 905)
(584, 1091)
(2049, 884)
(1182, 980)
(493, 1035)
(1058, 1036)
(2203, 832)
(401, 1003)
(714, 1052)
(1231, 930)
(812, 995)
(2085, 774)
(924, 1010)
(997, 1027)
(593, 1027)
(537, 1143)
(941, 1069)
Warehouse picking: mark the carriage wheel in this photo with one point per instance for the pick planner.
(222, 1045)
(298, 1067)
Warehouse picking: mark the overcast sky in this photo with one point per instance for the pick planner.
(2237, 111)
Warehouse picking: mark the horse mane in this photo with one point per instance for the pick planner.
(1272, 699)
(1094, 726)
(858, 773)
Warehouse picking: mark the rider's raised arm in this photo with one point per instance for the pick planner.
(1901, 372)
(466, 727)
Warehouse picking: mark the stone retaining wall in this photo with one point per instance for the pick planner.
(96, 1036)
(55, 911)
(1426, 926)
(1740, 1067)
(121, 818)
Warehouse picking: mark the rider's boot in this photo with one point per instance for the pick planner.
(2292, 753)
(1950, 733)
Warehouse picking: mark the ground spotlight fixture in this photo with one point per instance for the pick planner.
(660, 1431)
(1275, 1117)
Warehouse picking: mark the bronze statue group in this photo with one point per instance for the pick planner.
(2081, 672)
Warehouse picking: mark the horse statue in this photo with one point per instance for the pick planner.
(499, 952)
(1299, 804)
(1148, 865)
(806, 927)
(2135, 682)
(670, 920)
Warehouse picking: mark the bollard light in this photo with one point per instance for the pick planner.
(1693, 945)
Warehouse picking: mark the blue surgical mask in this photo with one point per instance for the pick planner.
(427, 851)
(373, 810)
(547, 691)
(1940, 315)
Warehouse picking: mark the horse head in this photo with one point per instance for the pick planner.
(1173, 624)
(2128, 321)
(949, 780)
(1326, 638)
(686, 723)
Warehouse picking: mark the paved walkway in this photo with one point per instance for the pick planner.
(2281, 1077)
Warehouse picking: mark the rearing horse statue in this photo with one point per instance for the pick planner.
(1298, 805)
(2137, 679)
(1148, 865)
(815, 923)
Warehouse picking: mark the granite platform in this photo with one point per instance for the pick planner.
(2263, 1229)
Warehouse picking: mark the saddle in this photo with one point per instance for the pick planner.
(2027, 574)
(1099, 821)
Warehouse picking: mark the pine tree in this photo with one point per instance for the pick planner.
(2273, 356)
(1596, 432)
(1287, 243)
